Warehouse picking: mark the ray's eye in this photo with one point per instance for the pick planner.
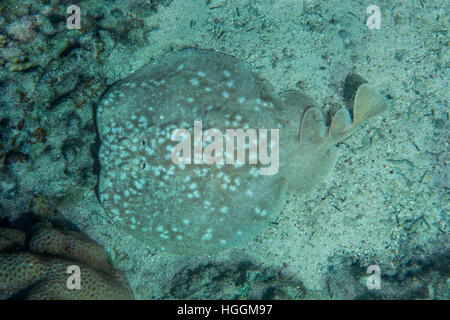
(143, 142)
(143, 166)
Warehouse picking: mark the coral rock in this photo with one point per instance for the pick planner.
(70, 245)
(11, 238)
(43, 271)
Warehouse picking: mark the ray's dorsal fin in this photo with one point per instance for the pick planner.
(368, 103)
(341, 123)
(317, 151)
(313, 127)
(294, 104)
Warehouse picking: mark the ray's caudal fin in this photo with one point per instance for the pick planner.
(316, 156)
(368, 103)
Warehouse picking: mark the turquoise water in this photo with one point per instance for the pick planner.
(357, 207)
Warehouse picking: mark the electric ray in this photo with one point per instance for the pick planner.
(207, 202)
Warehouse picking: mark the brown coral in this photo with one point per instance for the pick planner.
(70, 244)
(40, 269)
(11, 239)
